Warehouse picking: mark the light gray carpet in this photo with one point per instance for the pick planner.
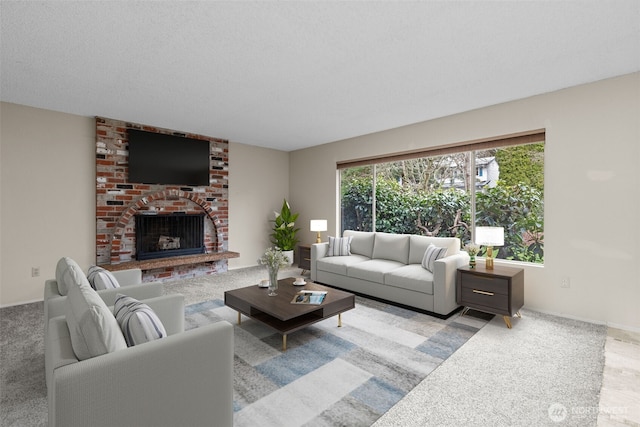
(545, 371)
(499, 377)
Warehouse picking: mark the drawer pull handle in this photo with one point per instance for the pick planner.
(307, 259)
(475, 291)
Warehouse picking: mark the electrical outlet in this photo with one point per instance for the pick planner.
(35, 271)
(565, 282)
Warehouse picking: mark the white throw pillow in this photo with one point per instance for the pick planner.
(431, 255)
(99, 278)
(67, 276)
(139, 323)
(92, 327)
(339, 246)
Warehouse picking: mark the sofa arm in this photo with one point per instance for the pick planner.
(58, 350)
(170, 311)
(138, 291)
(184, 379)
(127, 277)
(444, 282)
(318, 250)
(51, 289)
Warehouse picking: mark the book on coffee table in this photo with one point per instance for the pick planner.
(309, 297)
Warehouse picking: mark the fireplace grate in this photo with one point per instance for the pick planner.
(169, 235)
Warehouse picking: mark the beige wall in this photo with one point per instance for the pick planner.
(258, 183)
(48, 196)
(592, 186)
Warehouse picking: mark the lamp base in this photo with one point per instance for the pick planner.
(318, 238)
(489, 264)
(489, 259)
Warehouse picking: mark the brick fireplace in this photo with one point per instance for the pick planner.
(119, 202)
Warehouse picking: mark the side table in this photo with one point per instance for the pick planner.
(497, 291)
(304, 257)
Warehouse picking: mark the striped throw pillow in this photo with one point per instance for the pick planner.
(339, 246)
(139, 323)
(99, 278)
(431, 255)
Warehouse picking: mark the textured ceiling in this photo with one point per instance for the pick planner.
(289, 75)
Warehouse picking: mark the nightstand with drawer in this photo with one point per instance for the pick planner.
(498, 291)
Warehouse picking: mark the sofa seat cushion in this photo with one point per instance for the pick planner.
(339, 264)
(372, 270)
(412, 277)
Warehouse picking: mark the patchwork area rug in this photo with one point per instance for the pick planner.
(331, 376)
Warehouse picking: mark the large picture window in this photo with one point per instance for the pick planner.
(448, 192)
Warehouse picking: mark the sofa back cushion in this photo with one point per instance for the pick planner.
(68, 274)
(92, 327)
(361, 242)
(419, 244)
(394, 247)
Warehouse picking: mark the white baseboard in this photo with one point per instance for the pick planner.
(623, 327)
(21, 303)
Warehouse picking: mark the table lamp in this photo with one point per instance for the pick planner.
(490, 237)
(318, 225)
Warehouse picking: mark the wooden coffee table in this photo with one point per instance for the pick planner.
(278, 313)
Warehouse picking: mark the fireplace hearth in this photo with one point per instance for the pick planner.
(169, 235)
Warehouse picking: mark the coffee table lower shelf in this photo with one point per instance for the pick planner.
(286, 327)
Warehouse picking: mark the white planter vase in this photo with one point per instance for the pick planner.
(289, 255)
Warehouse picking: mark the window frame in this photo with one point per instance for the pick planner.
(504, 141)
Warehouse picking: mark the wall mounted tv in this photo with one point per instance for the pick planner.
(156, 158)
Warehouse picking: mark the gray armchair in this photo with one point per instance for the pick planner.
(184, 379)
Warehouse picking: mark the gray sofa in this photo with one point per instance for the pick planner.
(185, 378)
(389, 267)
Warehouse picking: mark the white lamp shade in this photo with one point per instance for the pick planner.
(490, 236)
(318, 225)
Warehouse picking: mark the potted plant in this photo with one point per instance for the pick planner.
(472, 249)
(285, 231)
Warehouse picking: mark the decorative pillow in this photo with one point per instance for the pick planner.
(93, 329)
(67, 276)
(431, 255)
(339, 246)
(139, 323)
(99, 278)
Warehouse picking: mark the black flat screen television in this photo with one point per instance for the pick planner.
(156, 158)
